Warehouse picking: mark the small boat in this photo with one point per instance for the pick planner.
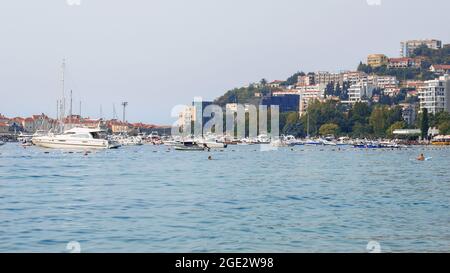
(189, 146)
(171, 142)
(263, 139)
(343, 141)
(279, 143)
(2, 143)
(213, 144)
(327, 142)
(368, 145)
(291, 140)
(441, 140)
(311, 142)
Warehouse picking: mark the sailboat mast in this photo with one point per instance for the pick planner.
(70, 112)
(63, 102)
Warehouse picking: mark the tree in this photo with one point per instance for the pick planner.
(344, 92)
(360, 112)
(293, 79)
(364, 68)
(395, 126)
(329, 129)
(263, 82)
(337, 90)
(378, 121)
(361, 130)
(424, 123)
(329, 90)
(444, 128)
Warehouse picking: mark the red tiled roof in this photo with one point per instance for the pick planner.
(441, 66)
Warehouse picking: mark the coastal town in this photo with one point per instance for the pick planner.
(407, 94)
(406, 97)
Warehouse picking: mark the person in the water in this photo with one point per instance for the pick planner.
(421, 157)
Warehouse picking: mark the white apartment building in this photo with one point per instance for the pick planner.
(408, 47)
(382, 81)
(355, 77)
(308, 94)
(186, 116)
(233, 107)
(435, 95)
(305, 80)
(361, 91)
(323, 77)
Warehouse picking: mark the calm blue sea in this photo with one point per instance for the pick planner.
(150, 199)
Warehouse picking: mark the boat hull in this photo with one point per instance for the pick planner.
(72, 145)
(214, 145)
(189, 149)
(440, 143)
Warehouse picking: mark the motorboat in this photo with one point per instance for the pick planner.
(343, 141)
(327, 142)
(311, 142)
(263, 139)
(367, 145)
(171, 142)
(441, 140)
(189, 146)
(23, 137)
(291, 140)
(211, 142)
(279, 143)
(76, 138)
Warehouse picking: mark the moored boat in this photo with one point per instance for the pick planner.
(76, 138)
(189, 146)
(441, 140)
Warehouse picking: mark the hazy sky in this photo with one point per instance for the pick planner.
(156, 54)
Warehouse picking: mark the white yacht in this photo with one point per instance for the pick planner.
(290, 140)
(211, 141)
(263, 139)
(76, 138)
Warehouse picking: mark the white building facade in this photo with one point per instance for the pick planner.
(435, 95)
(360, 92)
(408, 47)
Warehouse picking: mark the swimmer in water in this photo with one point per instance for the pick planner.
(421, 157)
(209, 157)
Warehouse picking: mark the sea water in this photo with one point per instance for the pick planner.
(155, 199)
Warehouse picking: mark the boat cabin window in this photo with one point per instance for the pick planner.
(96, 135)
(86, 135)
